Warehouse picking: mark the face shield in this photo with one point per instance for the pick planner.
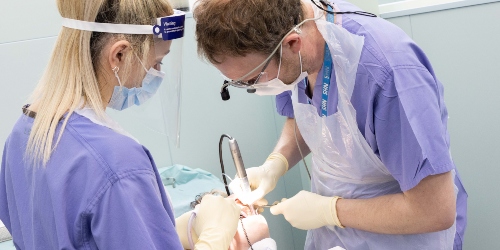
(151, 84)
(168, 39)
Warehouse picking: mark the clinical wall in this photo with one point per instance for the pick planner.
(463, 47)
(461, 43)
(367, 5)
(388, 1)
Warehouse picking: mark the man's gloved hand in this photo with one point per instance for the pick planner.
(307, 210)
(216, 222)
(262, 179)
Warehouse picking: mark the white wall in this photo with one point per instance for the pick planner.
(25, 47)
(24, 51)
(366, 5)
(388, 1)
(462, 45)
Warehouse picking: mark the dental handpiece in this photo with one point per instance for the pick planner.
(240, 169)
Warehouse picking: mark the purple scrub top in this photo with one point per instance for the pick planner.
(399, 104)
(99, 190)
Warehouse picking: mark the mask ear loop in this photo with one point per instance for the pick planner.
(300, 60)
(115, 70)
(281, 56)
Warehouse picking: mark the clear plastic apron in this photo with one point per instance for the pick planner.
(343, 163)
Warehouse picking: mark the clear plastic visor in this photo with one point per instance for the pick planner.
(162, 113)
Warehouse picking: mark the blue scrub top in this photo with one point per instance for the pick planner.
(99, 190)
(399, 104)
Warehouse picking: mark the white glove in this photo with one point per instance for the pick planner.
(262, 179)
(307, 210)
(216, 222)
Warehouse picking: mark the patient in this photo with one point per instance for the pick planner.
(252, 229)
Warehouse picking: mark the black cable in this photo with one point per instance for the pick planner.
(222, 162)
(246, 235)
(326, 3)
(225, 182)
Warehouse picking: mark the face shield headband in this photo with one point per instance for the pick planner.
(161, 113)
(168, 27)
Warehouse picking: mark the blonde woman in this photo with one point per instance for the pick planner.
(71, 178)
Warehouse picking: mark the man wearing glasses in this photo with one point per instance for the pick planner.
(362, 98)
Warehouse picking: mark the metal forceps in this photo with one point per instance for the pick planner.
(272, 205)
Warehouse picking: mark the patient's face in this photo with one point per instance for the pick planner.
(255, 226)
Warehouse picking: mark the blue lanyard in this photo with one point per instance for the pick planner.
(327, 71)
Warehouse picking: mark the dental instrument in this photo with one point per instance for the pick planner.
(240, 167)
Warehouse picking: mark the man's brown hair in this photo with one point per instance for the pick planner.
(239, 27)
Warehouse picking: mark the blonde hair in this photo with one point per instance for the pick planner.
(70, 78)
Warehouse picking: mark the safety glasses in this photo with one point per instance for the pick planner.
(248, 83)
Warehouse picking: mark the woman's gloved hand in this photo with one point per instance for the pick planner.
(216, 222)
(262, 179)
(308, 210)
(181, 226)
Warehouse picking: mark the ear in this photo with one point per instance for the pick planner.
(117, 53)
(293, 42)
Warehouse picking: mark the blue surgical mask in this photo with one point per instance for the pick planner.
(124, 97)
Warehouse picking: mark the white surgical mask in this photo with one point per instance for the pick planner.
(276, 86)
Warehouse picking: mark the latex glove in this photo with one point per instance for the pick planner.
(307, 210)
(262, 179)
(245, 209)
(216, 222)
(181, 225)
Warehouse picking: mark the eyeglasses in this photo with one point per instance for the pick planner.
(248, 83)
